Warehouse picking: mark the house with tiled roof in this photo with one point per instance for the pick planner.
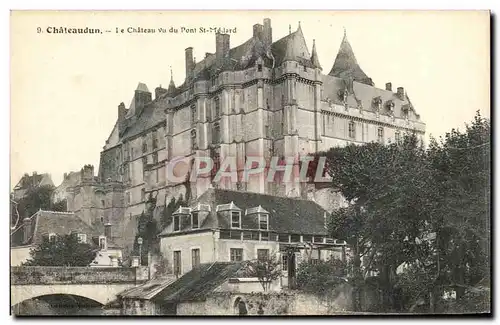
(232, 226)
(31, 181)
(51, 224)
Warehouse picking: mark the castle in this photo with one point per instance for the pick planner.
(262, 98)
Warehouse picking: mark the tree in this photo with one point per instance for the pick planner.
(386, 210)
(63, 251)
(147, 229)
(321, 277)
(266, 268)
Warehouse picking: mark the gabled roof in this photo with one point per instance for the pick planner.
(198, 283)
(346, 66)
(44, 223)
(286, 215)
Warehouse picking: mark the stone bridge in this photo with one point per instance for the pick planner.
(95, 283)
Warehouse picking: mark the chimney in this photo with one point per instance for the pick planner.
(268, 32)
(222, 46)
(258, 31)
(189, 63)
(159, 91)
(27, 230)
(401, 93)
(207, 55)
(388, 86)
(107, 230)
(65, 175)
(142, 97)
(87, 173)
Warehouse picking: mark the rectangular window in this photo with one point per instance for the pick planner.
(143, 194)
(380, 135)
(235, 234)
(251, 235)
(236, 254)
(177, 262)
(259, 67)
(82, 238)
(397, 137)
(144, 161)
(195, 257)
(155, 157)
(216, 133)
(284, 262)
(307, 238)
(177, 223)
(295, 238)
(263, 254)
(352, 130)
(263, 221)
(318, 239)
(284, 238)
(144, 145)
(264, 236)
(102, 242)
(195, 220)
(193, 114)
(155, 140)
(128, 198)
(235, 220)
(217, 107)
(157, 175)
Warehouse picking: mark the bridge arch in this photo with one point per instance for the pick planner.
(100, 293)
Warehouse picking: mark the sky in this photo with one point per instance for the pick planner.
(65, 88)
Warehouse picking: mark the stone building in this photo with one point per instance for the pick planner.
(30, 181)
(232, 226)
(52, 224)
(99, 203)
(262, 98)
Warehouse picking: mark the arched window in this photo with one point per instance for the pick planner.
(240, 307)
(193, 114)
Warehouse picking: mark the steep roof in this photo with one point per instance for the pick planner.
(198, 283)
(346, 65)
(44, 223)
(151, 116)
(286, 215)
(292, 47)
(364, 94)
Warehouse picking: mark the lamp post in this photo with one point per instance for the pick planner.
(139, 241)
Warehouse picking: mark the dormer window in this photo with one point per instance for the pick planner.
(102, 243)
(52, 238)
(177, 223)
(82, 238)
(195, 220)
(263, 221)
(236, 219)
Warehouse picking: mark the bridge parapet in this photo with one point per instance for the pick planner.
(30, 275)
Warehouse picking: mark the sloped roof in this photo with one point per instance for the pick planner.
(198, 283)
(286, 215)
(147, 290)
(346, 65)
(33, 180)
(363, 94)
(151, 116)
(44, 223)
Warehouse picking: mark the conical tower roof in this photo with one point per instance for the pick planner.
(314, 56)
(346, 65)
